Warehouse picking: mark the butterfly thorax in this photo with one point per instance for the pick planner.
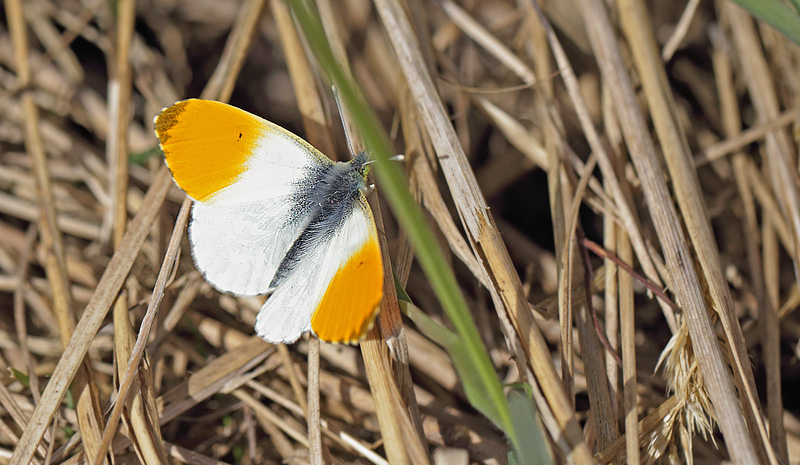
(323, 199)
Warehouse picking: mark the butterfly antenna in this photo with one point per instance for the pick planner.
(398, 157)
(350, 145)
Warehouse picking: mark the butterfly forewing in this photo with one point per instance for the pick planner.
(245, 172)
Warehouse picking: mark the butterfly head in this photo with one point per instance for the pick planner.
(360, 164)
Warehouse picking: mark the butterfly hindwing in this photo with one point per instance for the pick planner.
(239, 248)
(334, 289)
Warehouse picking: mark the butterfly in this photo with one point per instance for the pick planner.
(273, 215)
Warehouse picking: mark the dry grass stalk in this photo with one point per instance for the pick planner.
(767, 307)
(690, 200)
(603, 414)
(512, 109)
(85, 391)
(786, 187)
(685, 280)
(93, 315)
(628, 337)
(141, 417)
(680, 31)
(474, 214)
(744, 138)
(605, 163)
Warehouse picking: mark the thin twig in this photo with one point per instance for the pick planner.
(605, 254)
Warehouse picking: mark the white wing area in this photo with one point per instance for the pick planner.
(287, 313)
(239, 247)
(241, 233)
(279, 160)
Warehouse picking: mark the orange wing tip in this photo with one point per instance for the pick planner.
(167, 119)
(207, 144)
(351, 301)
(370, 323)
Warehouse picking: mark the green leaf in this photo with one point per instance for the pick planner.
(69, 400)
(402, 295)
(474, 388)
(533, 449)
(238, 453)
(530, 450)
(21, 377)
(139, 158)
(435, 331)
(777, 14)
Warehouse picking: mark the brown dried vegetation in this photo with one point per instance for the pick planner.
(646, 154)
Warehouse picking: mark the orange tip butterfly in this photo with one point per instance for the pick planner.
(272, 214)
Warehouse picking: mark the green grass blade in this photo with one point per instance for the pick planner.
(393, 185)
(402, 295)
(428, 326)
(139, 158)
(21, 377)
(474, 388)
(534, 449)
(777, 14)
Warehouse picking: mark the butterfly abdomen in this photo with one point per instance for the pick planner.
(326, 197)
